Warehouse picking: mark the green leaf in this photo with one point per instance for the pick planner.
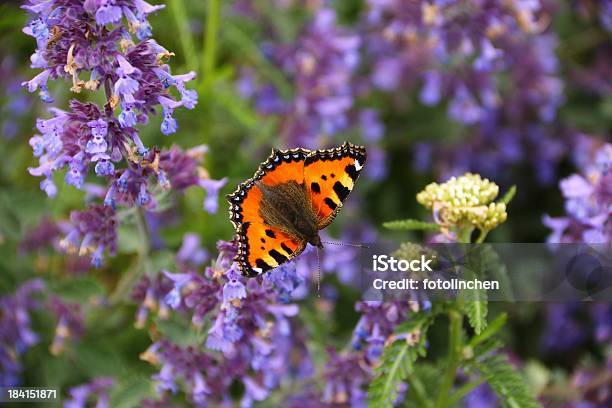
(509, 195)
(397, 361)
(495, 269)
(490, 331)
(476, 311)
(130, 391)
(475, 305)
(411, 224)
(506, 382)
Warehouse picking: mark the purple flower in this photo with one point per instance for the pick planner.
(173, 298)
(191, 251)
(212, 187)
(126, 85)
(464, 108)
(233, 288)
(97, 144)
(108, 58)
(92, 232)
(168, 125)
(431, 91)
(371, 126)
(107, 12)
(70, 323)
(128, 116)
(97, 391)
(588, 202)
(481, 397)
(40, 81)
(16, 334)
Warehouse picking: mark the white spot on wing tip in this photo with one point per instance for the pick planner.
(258, 270)
(358, 166)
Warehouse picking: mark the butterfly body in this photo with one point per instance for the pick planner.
(293, 195)
(287, 207)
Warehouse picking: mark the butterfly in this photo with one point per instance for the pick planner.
(294, 194)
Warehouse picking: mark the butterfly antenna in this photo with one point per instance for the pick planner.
(318, 273)
(345, 244)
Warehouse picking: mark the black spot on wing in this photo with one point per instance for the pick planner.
(286, 248)
(261, 264)
(277, 256)
(324, 177)
(314, 186)
(330, 203)
(341, 191)
(270, 233)
(351, 171)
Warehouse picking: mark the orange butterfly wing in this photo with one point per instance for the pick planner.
(260, 246)
(330, 176)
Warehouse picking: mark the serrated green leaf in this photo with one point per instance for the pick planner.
(397, 362)
(475, 305)
(495, 269)
(476, 311)
(506, 382)
(411, 224)
(509, 195)
(491, 330)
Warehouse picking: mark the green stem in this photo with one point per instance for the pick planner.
(463, 391)
(454, 354)
(210, 44)
(482, 236)
(419, 391)
(142, 265)
(177, 8)
(464, 234)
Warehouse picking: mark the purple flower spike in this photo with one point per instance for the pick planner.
(104, 58)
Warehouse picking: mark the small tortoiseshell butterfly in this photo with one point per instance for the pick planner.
(293, 195)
